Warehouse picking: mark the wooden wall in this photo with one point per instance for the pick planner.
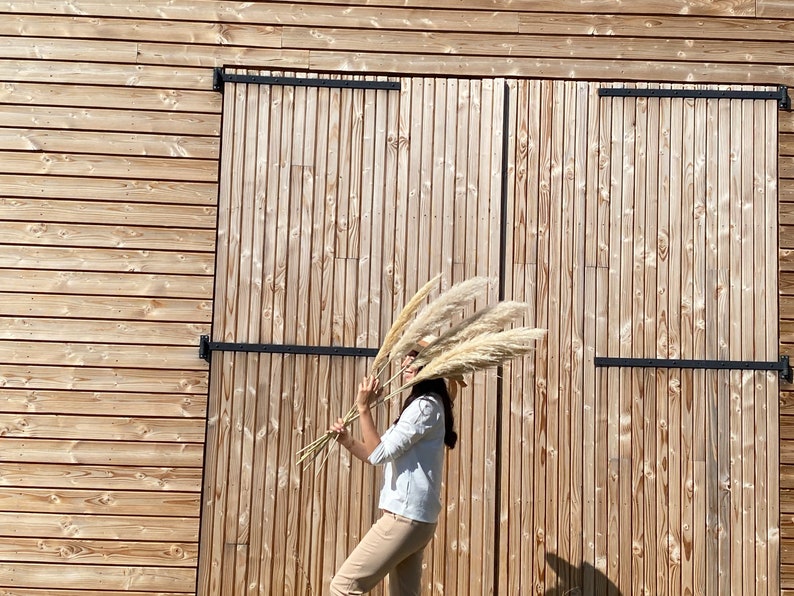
(110, 141)
(786, 265)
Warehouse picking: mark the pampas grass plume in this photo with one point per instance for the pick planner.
(487, 350)
(439, 312)
(488, 320)
(400, 324)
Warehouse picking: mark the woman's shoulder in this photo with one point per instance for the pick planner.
(428, 403)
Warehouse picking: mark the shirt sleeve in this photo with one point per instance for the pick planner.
(418, 418)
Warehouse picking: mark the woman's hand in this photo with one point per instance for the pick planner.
(368, 390)
(342, 434)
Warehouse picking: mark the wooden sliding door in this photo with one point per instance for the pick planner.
(642, 227)
(635, 226)
(338, 201)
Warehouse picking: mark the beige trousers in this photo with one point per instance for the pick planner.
(393, 546)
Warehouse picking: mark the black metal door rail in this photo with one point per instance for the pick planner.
(780, 95)
(207, 347)
(782, 366)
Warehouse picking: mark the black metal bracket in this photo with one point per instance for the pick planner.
(782, 365)
(220, 76)
(781, 95)
(206, 347)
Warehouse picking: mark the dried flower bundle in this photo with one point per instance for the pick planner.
(486, 351)
(478, 342)
(439, 312)
(400, 323)
(489, 319)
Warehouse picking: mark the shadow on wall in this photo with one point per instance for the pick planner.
(579, 581)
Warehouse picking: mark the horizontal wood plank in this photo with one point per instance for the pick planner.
(657, 25)
(787, 332)
(101, 403)
(182, 10)
(541, 67)
(786, 278)
(785, 166)
(786, 477)
(107, 284)
(109, 260)
(104, 428)
(195, 31)
(110, 166)
(107, 213)
(75, 330)
(236, 23)
(83, 476)
(543, 46)
(105, 119)
(79, 75)
(91, 354)
(5, 591)
(82, 306)
(110, 143)
(86, 378)
(96, 235)
(115, 451)
(121, 96)
(99, 502)
(786, 401)
(786, 145)
(773, 9)
(104, 552)
(109, 189)
(786, 120)
(68, 49)
(97, 577)
(786, 259)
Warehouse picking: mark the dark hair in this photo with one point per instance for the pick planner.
(439, 388)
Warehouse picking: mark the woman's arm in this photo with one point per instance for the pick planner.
(370, 439)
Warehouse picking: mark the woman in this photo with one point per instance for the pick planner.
(413, 454)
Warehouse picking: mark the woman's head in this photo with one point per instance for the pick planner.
(435, 386)
(409, 371)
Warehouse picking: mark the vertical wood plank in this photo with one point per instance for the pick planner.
(613, 347)
(477, 218)
(712, 338)
(747, 317)
(542, 352)
(699, 439)
(759, 282)
(509, 505)
(589, 156)
(652, 429)
(554, 338)
(772, 342)
(674, 387)
(736, 351)
(248, 323)
(581, 536)
(687, 348)
(602, 520)
(724, 530)
(638, 321)
(626, 254)
(663, 339)
(566, 192)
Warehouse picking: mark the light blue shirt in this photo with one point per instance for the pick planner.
(413, 453)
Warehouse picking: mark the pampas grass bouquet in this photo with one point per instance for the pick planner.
(480, 341)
